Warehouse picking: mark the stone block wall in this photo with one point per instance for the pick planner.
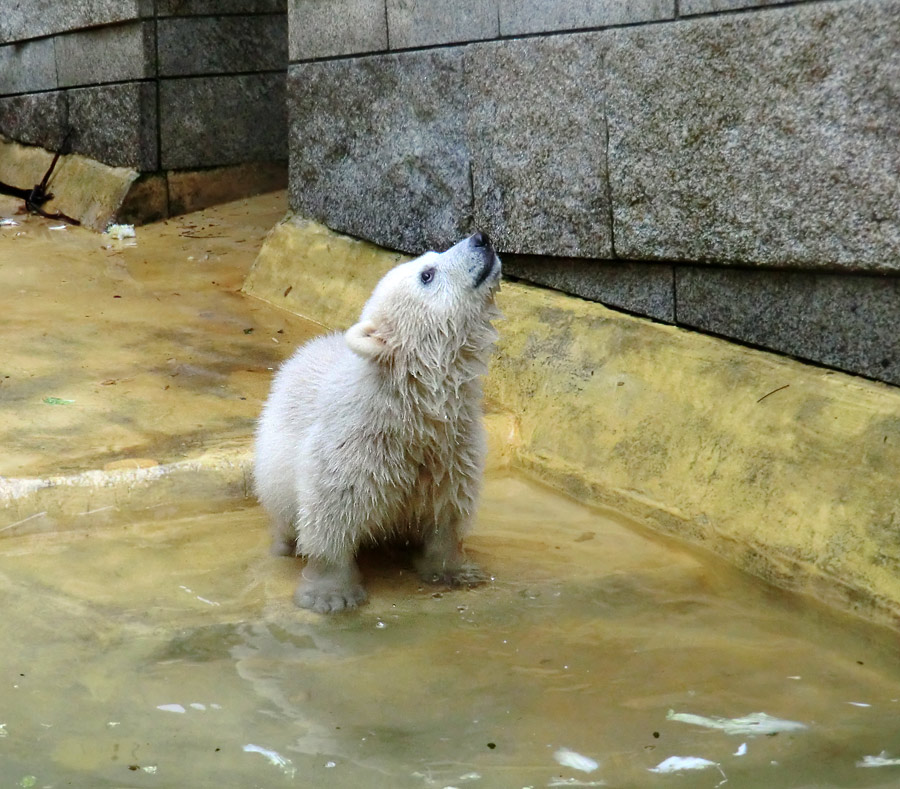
(728, 165)
(157, 86)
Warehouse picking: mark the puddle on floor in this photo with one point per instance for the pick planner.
(170, 654)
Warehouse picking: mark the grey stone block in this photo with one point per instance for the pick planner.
(116, 53)
(220, 7)
(420, 23)
(764, 138)
(222, 44)
(27, 67)
(327, 28)
(115, 124)
(21, 19)
(209, 121)
(538, 141)
(379, 147)
(689, 7)
(34, 119)
(641, 288)
(540, 16)
(843, 321)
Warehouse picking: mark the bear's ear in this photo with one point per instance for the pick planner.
(363, 338)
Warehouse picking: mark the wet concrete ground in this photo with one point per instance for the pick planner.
(168, 652)
(130, 354)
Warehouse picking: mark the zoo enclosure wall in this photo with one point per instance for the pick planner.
(724, 165)
(159, 86)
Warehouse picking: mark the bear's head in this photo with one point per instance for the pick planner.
(433, 314)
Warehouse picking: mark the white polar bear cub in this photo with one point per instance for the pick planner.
(377, 434)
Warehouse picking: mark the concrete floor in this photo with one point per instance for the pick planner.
(120, 355)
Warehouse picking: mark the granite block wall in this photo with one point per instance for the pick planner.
(690, 161)
(167, 85)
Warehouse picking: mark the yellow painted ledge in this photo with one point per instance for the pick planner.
(83, 188)
(218, 479)
(97, 194)
(787, 471)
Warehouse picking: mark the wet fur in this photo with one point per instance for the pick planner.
(376, 434)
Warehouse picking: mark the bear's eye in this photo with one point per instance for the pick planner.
(426, 275)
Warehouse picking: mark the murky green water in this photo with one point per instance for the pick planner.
(171, 655)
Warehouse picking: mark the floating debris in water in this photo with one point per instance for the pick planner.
(201, 599)
(275, 759)
(431, 779)
(882, 760)
(858, 704)
(742, 750)
(753, 724)
(28, 781)
(574, 782)
(575, 760)
(57, 401)
(8, 223)
(57, 227)
(171, 708)
(3, 731)
(676, 764)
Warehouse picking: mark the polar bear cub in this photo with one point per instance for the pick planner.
(377, 434)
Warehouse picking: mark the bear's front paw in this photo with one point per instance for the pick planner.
(466, 574)
(326, 598)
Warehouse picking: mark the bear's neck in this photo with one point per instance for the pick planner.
(440, 388)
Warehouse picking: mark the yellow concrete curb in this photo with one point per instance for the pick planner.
(218, 480)
(84, 189)
(97, 194)
(788, 471)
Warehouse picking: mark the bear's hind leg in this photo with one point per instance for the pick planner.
(330, 586)
(443, 562)
(284, 538)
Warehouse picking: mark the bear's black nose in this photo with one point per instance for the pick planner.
(480, 239)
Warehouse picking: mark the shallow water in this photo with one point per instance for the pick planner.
(170, 654)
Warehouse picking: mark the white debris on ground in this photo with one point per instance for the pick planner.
(274, 758)
(677, 764)
(120, 232)
(576, 761)
(753, 724)
(882, 760)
